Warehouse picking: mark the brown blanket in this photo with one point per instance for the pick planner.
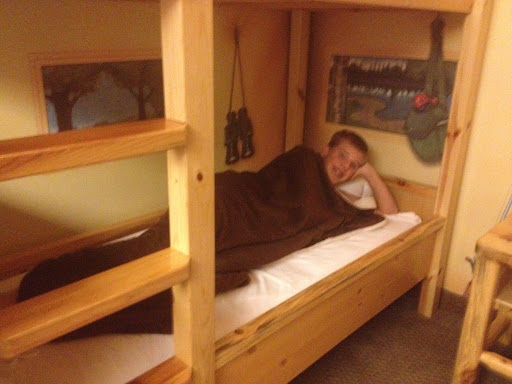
(259, 217)
(287, 205)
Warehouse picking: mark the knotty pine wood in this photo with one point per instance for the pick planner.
(172, 371)
(459, 6)
(474, 38)
(187, 62)
(297, 77)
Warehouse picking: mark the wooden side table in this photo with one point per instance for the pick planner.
(493, 263)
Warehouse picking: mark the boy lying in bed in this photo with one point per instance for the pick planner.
(259, 217)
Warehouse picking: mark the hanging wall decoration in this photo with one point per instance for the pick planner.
(380, 93)
(239, 125)
(427, 121)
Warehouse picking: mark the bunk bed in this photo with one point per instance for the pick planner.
(277, 345)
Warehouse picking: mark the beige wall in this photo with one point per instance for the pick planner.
(41, 207)
(38, 26)
(487, 180)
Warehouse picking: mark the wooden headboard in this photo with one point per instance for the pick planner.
(412, 196)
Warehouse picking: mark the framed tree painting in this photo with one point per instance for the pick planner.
(377, 93)
(84, 90)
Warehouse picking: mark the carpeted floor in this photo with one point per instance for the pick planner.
(398, 347)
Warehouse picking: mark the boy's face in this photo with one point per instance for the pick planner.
(342, 161)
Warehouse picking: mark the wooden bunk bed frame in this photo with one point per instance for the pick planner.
(280, 344)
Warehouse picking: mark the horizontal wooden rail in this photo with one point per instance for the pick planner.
(172, 371)
(54, 152)
(459, 6)
(497, 243)
(497, 363)
(19, 262)
(43, 318)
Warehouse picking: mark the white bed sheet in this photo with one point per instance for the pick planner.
(113, 359)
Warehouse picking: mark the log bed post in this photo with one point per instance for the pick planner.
(466, 85)
(187, 60)
(297, 77)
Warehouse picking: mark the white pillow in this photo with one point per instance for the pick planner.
(361, 190)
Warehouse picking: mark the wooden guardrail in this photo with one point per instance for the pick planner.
(47, 153)
(40, 319)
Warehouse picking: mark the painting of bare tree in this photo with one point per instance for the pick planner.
(88, 94)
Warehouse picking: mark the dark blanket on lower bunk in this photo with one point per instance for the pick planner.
(289, 204)
(259, 217)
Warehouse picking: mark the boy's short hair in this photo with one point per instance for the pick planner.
(352, 137)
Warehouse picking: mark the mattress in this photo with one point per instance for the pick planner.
(112, 359)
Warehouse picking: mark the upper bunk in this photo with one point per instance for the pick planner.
(460, 6)
(41, 154)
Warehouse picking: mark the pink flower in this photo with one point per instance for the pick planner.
(422, 101)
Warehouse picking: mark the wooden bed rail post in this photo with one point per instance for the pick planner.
(297, 77)
(187, 60)
(467, 80)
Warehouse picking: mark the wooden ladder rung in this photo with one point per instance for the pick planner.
(500, 328)
(504, 298)
(47, 153)
(171, 371)
(43, 318)
(497, 328)
(497, 363)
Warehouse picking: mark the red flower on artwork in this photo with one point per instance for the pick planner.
(423, 100)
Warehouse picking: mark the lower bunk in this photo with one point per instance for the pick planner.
(294, 310)
(290, 337)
